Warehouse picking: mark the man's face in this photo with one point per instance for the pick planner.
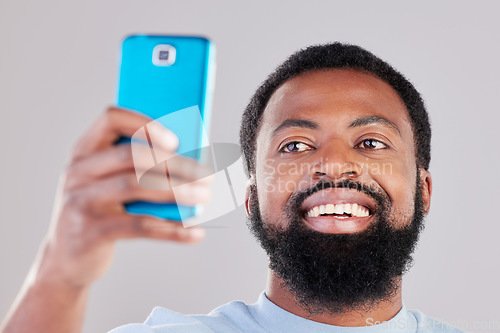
(336, 169)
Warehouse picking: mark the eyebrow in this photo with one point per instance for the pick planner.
(300, 123)
(363, 121)
(369, 120)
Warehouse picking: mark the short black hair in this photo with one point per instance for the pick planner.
(328, 57)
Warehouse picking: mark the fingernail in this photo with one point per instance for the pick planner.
(170, 139)
(197, 233)
(159, 134)
(200, 191)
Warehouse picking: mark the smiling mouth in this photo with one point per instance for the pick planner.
(339, 211)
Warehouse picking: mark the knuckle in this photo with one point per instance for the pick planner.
(179, 233)
(106, 228)
(107, 119)
(70, 182)
(125, 153)
(127, 182)
(76, 148)
(192, 169)
(74, 199)
(139, 225)
(198, 171)
(79, 224)
(85, 232)
(110, 110)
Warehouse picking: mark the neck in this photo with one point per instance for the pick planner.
(278, 293)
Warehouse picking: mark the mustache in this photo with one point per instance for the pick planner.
(381, 197)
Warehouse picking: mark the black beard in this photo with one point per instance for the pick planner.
(335, 273)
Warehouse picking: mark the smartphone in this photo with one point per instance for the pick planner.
(159, 75)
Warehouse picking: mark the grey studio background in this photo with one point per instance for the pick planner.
(58, 64)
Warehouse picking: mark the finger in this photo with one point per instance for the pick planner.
(183, 169)
(116, 122)
(122, 188)
(120, 158)
(126, 226)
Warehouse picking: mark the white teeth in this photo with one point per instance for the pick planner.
(354, 210)
(316, 211)
(362, 212)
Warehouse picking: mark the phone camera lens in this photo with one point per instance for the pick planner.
(163, 55)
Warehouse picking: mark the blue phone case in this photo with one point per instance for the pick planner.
(157, 90)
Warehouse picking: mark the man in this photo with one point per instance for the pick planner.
(337, 150)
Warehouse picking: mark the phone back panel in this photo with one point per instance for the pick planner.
(160, 90)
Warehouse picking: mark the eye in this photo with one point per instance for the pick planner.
(371, 144)
(294, 147)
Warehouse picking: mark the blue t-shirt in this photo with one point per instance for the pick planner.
(266, 317)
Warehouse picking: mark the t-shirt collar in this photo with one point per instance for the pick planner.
(275, 319)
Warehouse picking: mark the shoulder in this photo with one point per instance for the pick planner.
(230, 317)
(237, 314)
(425, 324)
(162, 320)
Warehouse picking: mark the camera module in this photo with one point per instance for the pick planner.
(163, 55)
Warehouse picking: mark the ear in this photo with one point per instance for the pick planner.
(426, 181)
(248, 203)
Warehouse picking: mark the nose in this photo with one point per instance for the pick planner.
(335, 161)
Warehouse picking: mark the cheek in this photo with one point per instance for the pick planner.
(398, 180)
(276, 182)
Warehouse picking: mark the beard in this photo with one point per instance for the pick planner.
(335, 273)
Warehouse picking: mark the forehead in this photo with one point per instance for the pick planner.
(335, 95)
